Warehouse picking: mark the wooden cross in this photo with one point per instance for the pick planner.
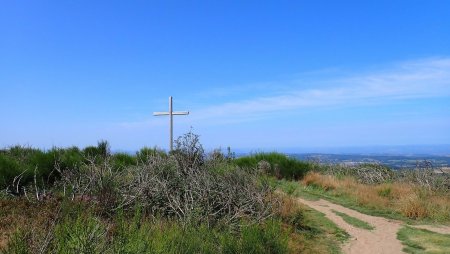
(171, 114)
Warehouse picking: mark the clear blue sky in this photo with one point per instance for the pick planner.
(256, 75)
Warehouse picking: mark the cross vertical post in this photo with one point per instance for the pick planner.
(171, 113)
(171, 122)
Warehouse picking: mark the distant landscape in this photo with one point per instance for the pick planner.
(392, 161)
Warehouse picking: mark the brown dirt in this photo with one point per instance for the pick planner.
(382, 239)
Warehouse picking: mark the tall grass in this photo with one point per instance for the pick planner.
(409, 200)
(80, 230)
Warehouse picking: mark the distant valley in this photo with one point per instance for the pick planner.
(392, 161)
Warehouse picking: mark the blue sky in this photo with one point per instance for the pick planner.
(254, 75)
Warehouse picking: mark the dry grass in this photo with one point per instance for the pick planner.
(20, 213)
(409, 200)
(326, 182)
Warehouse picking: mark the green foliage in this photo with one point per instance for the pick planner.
(9, 168)
(70, 158)
(47, 164)
(268, 240)
(82, 234)
(17, 160)
(354, 221)
(168, 237)
(102, 150)
(143, 155)
(281, 165)
(423, 241)
(81, 231)
(122, 160)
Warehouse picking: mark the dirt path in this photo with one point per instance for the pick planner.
(382, 239)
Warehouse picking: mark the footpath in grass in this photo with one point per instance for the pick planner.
(410, 238)
(316, 234)
(316, 192)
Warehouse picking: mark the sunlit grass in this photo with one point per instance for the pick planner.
(423, 241)
(354, 221)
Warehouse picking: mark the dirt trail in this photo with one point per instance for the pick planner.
(382, 239)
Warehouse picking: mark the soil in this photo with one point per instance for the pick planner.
(382, 239)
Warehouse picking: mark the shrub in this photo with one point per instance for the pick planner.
(185, 185)
(145, 153)
(69, 159)
(99, 152)
(9, 168)
(281, 166)
(122, 160)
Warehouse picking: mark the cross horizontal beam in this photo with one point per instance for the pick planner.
(177, 113)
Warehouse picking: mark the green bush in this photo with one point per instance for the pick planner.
(9, 168)
(143, 155)
(70, 158)
(29, 161)
(122, 160)
(47, 164)
(280, 165)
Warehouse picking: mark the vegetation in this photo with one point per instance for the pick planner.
(397, 200)
(92, 201)
(423, 241)
(354, 221)
(423, 175)
(276, 164)
(309, 231)
(28, 163)
(84, 232)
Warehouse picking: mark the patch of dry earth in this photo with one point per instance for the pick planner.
(382, 239)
